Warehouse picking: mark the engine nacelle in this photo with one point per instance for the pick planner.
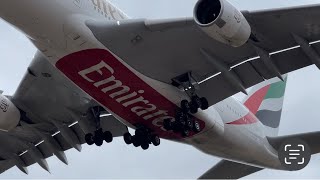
(9, 114)
(222, 22)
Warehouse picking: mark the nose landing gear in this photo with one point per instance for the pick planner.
(143, 137)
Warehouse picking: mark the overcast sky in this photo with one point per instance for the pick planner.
(169, 160)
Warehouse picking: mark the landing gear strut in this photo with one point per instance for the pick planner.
(143, 137)
(189, 85)
(98, 136)
(184, 123)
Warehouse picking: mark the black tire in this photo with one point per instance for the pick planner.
(179, 114)
(204, 103)
(107, 136)
(167, 124)
(196, 102)
(181, 117)
(185, 106)
(142, 131)
(181, 121)
(139, 132)
(145, 146)
(176, 127)
(185, 133)
(89, 139)
(127, 138)
(98, 140)
(189, 124)
(155, 140)
(135, 141)
(193, 109)
(196, 126)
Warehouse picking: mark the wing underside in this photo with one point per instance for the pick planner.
(285, 40)
(55, 119)
(229, 170)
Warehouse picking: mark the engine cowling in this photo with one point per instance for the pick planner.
(222, 22)
(9, 114)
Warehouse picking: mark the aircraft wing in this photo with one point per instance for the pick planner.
(229, 170)
(164, 49)
(55, 111)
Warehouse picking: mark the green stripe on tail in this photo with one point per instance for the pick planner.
(262, 101)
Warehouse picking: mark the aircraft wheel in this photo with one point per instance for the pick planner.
(204, 103)
(135, 141)
(98, 140)
(89, 139)
(181, 118)
(155, 140)
(185, 106)
(193, 109)
(185, 133)
(176, 127)
(145, 146)
(196, 102)
(127, 138)
(167, 124)
(107, 136)
(189, 124)
(196, 126)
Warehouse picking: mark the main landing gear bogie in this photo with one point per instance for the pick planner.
(194, 104)
(98, 136)
(143, 137)
(189, 85)
(182, 124)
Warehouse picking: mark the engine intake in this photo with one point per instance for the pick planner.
(222, 22)
(208, 11)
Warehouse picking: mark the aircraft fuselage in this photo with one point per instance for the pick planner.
(58, 29)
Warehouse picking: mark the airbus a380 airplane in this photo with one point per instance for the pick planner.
(98, 72)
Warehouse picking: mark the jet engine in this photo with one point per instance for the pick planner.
(220, 20)
(9, 114)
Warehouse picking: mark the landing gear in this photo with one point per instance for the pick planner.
(143, 137)
(194, 104)
(183, 124)
(127, 138)
(189, 85)
(89, 139)
(98, 136)
(155, 140)
(196, 126)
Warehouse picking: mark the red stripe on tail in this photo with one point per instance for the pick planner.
(254, 101)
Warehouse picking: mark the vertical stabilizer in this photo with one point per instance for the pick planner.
(265, 100)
